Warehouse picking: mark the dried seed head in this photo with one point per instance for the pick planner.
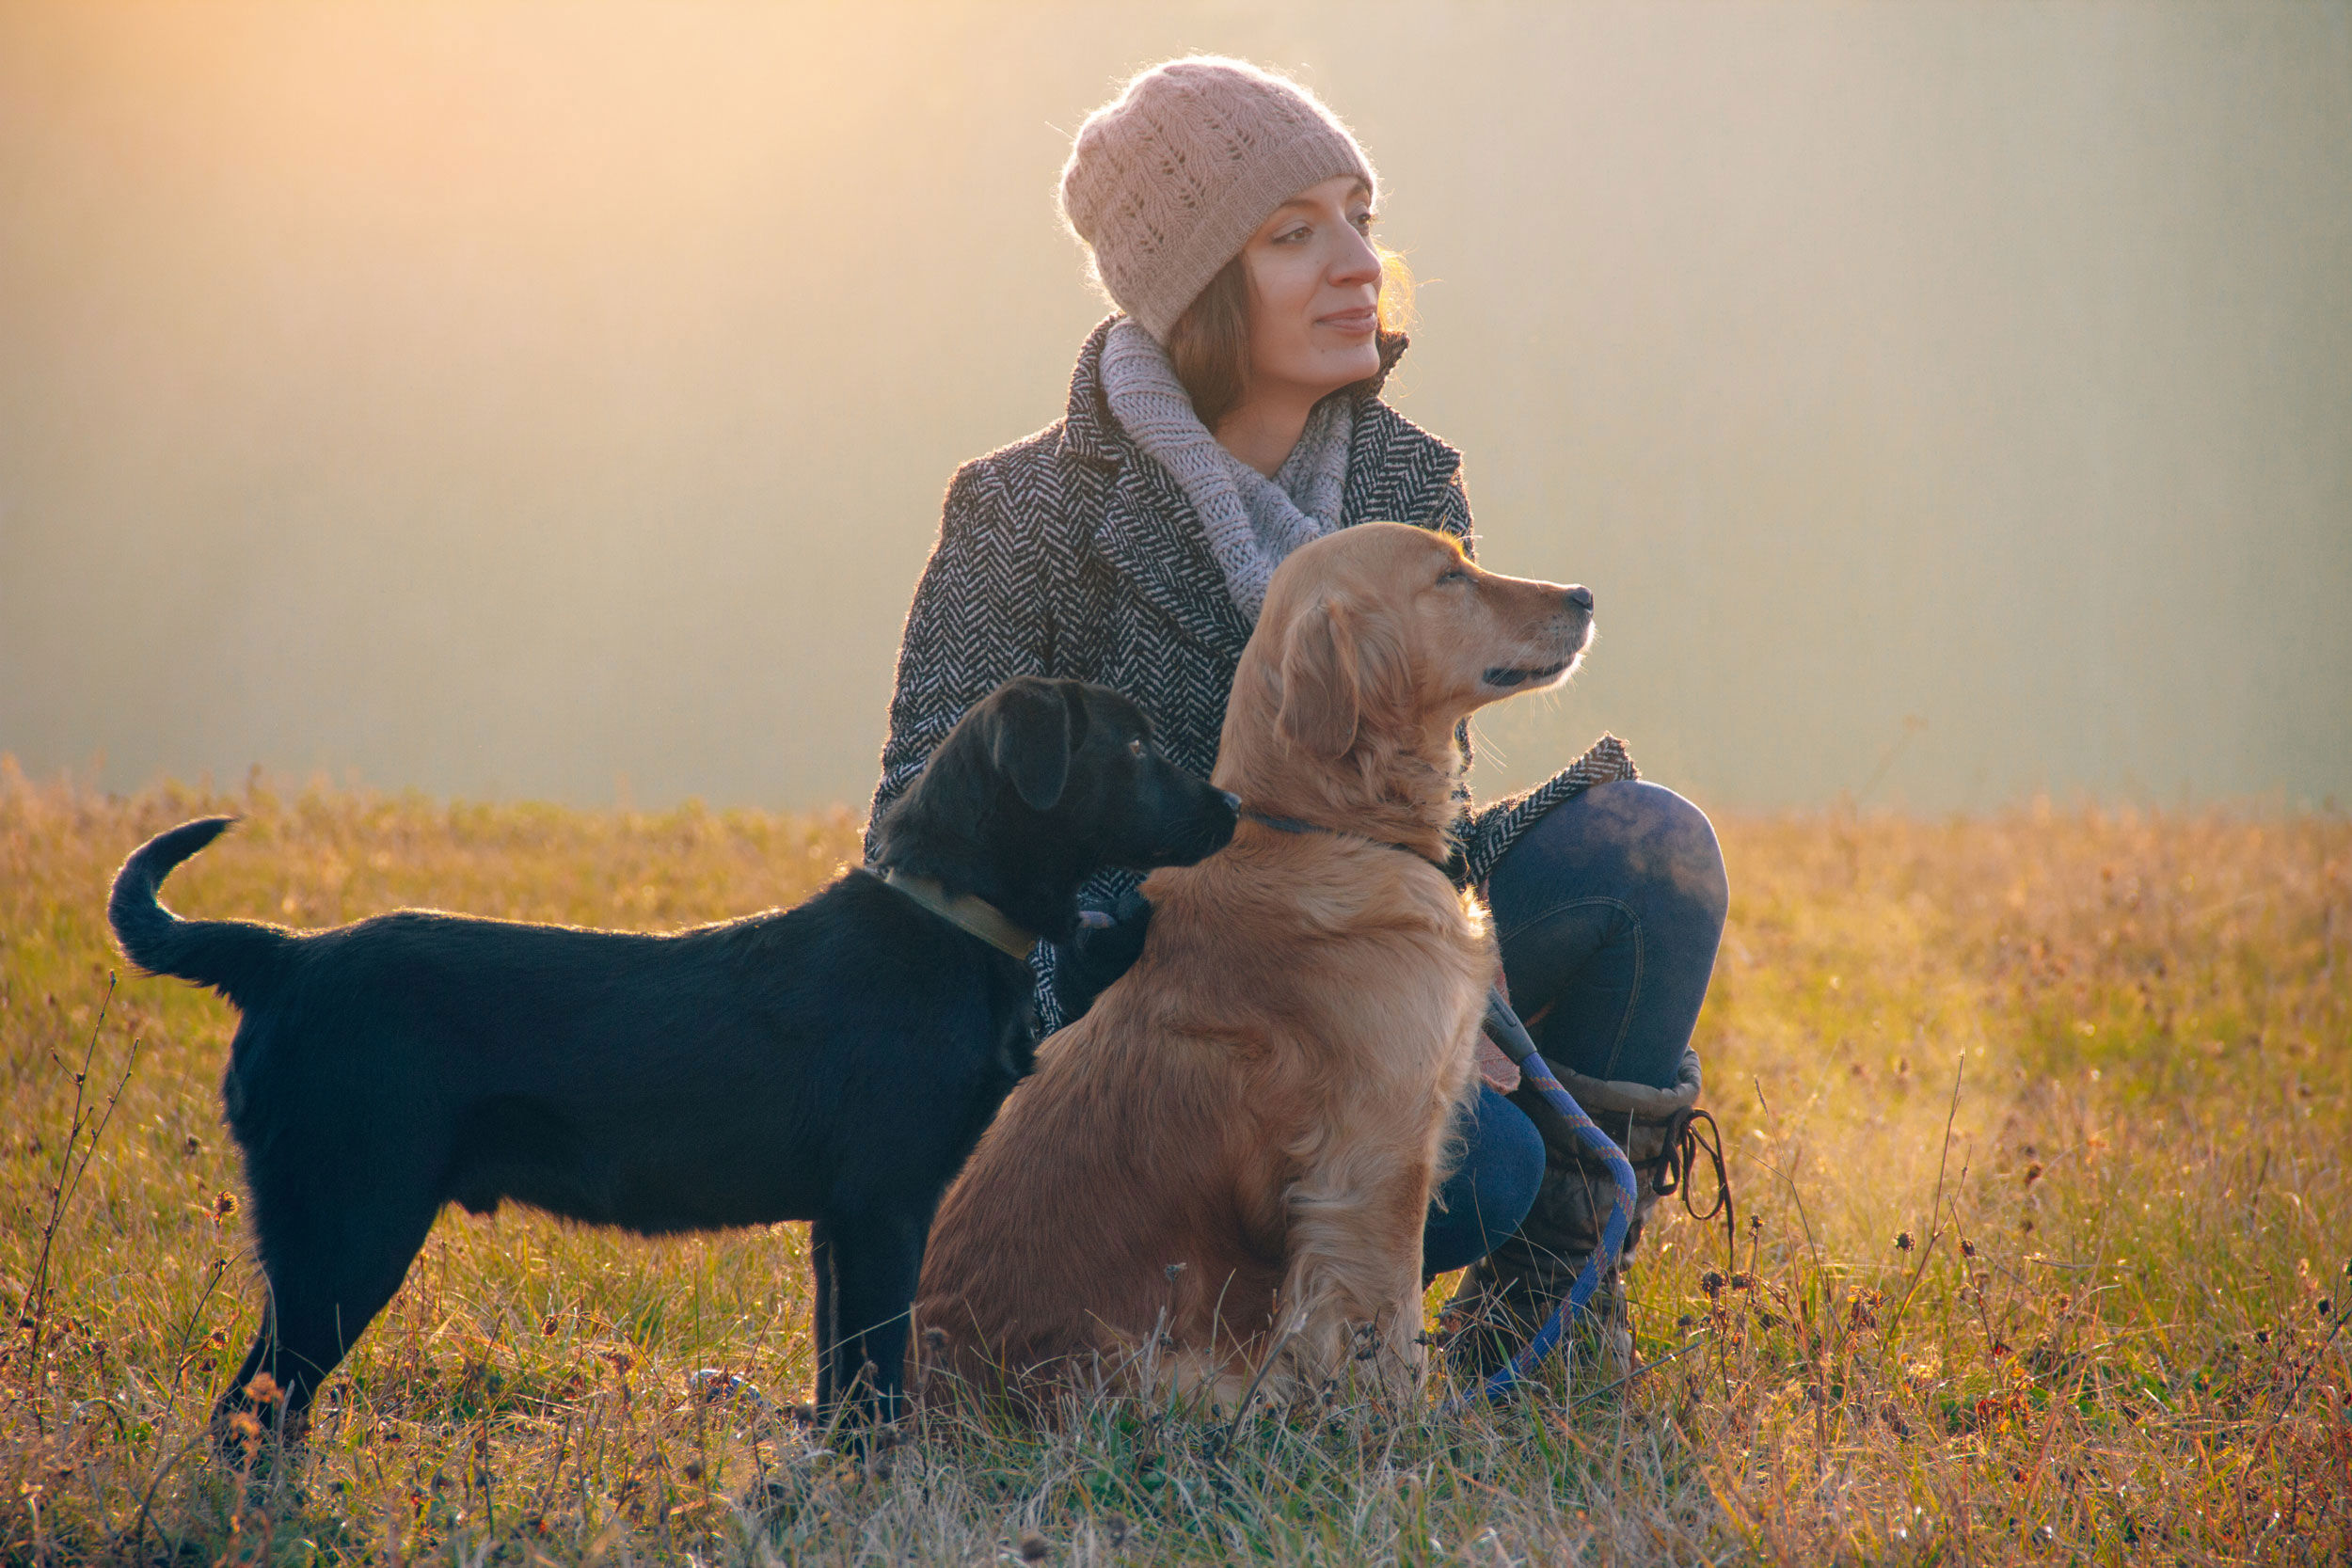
(1033, 1547)
(1967, 1248)
(1712, 1283)
(1902, 1241)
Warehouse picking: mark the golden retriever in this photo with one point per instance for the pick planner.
(1220, 1173)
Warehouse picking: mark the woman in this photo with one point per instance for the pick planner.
(1229, 414)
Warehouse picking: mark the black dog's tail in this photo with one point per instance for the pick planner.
(236, 957)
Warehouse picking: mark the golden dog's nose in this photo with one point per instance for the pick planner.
(1580, 596)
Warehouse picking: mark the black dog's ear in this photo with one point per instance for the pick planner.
(1030, 740)
(1074, 696)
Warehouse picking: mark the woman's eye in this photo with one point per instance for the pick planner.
(1292, 236)
(1136, 747)
(1364, 221)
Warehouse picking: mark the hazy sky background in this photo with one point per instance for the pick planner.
(508, 399)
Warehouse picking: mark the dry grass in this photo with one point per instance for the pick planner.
(2112, 1333)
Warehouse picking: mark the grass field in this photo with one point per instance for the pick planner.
(2037, 1123)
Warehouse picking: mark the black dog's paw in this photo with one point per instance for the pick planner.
(1105, 947)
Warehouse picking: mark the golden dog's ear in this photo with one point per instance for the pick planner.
(1321, 693)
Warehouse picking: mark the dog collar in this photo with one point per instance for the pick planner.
(1299, 825)
(978, 916)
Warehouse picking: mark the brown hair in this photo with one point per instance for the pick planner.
(1209, 345)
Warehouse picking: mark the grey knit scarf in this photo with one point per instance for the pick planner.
(1252, 522)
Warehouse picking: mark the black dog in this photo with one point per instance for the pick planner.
(834, 1062)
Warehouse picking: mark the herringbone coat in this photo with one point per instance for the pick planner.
(1072, 553)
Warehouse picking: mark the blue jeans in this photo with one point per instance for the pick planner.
(1608, 910)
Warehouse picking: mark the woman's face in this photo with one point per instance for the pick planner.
(1315, 292)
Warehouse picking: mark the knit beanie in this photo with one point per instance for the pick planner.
(1166, 182)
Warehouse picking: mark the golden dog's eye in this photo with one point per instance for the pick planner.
(1452, 574)
(1136, 747)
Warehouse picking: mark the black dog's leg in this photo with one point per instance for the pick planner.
(332, 1265)
(826, 1317)
(876, 1260)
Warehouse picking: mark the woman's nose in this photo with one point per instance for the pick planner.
(1359, 263)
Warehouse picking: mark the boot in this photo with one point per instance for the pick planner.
(1507, 1295)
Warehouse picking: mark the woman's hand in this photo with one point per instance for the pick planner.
(1495, 1067)
(1106, 946)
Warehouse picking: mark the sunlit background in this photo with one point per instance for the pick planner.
(1945, 401)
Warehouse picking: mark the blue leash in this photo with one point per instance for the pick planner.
(1503, 1027)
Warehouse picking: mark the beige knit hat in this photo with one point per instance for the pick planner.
(1167, 182)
